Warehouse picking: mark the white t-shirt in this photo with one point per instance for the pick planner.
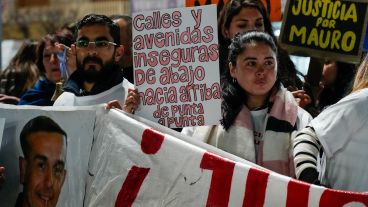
(258, 120)
(118, 92)
(343, 131)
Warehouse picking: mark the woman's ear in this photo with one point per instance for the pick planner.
(225, 33)
(232, 70)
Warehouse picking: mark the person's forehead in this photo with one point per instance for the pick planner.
(94, 31)
(49, 47)
(48, 144)
(249, 12)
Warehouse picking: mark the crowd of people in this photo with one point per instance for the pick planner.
(265, 113)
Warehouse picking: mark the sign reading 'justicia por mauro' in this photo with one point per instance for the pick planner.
(325, 28)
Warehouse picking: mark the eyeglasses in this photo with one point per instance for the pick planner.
(98, 43)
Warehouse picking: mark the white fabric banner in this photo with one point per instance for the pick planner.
(138, 164)
(135, 162)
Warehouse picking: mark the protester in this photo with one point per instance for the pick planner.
(337, 78)
(250, 15)
(42, 169)
(340, 134)
(49, 67)
(20, 75)
(259, 116)
(97, 52)
(126, 62)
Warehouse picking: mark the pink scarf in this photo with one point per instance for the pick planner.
(275, 148)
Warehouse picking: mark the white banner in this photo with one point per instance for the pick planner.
(135, 162)
(138, 164)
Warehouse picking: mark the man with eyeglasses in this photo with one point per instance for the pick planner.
(97, 51)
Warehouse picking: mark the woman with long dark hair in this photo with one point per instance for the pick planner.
(259, 116)
(241, 16)
(20, 75)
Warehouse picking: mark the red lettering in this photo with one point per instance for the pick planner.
(150, 144)
(298, 193)
(255, 188)
(151, 141)
(131, 186)
(340, 198)
(139, 77)
(222, 175)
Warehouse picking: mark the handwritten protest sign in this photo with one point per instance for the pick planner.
(175, 54)
(325, 28)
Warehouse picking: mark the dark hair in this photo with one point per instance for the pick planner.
(234, 7)
(22, 72)
(38, 124)
(98, 19)
(287, 71)
(128, 20)
(233, 96)
(342, 85)
(63, 37)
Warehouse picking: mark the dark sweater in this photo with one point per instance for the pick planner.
(76, 80)
(39, 95)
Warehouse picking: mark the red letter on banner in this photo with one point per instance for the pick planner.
(131, 186)
(150, 144)
(255, 189)
(221, 178)
(341, 198)
(151, 141)
(298, 194)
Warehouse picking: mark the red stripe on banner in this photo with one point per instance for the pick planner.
(342, 198)
(131, 186)
(255, 188)
(222, 175)
(151, 141)
(298, 194)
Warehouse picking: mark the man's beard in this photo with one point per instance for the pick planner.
(91, 74)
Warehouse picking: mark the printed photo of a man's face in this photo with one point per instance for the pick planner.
(42, 169)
